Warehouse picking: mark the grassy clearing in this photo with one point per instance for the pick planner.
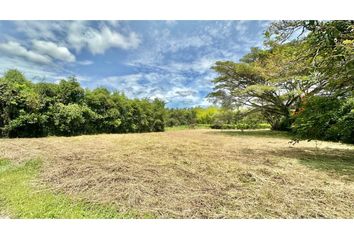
(20, 199)
(200, 173)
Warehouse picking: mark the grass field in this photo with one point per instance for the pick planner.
(198, 173)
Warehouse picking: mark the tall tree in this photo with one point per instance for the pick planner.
(269, 81)
(319, 61)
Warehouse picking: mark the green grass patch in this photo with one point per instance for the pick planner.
(20, 198)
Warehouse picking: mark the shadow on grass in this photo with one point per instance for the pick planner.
(254, 133)
(333, 161)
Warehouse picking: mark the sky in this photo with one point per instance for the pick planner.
(170, 60)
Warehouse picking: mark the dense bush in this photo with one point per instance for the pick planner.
(206, 115)
(326, 118)
(240, 119)
(240, 126)
(180, 117)
(39, 109)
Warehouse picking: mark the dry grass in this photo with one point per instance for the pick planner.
(198, 173)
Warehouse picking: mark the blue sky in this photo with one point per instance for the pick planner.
(170, 60)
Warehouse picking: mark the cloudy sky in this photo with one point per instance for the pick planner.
(166, 59)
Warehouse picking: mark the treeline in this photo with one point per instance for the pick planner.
(217, 118)
(30, 109)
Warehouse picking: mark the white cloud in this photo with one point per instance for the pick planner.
(48, 30)
(85, 62)
(79, 34)
(15, 49)
(221, 30)
(241, 27)
(201, 65)
(99, 40)
(170, 87)
(186, 42)
(53, 50)
(38, 73)
(204, 103)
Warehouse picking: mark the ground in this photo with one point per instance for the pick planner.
(197, 173)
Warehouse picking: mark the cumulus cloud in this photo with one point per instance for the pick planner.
(81, 34)
(48, 30)
(38, 73)
(15, 49)
(99, 40)
(53, 50)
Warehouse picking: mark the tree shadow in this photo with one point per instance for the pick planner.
(254, 133)
(332, 161)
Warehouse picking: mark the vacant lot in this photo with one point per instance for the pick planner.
(191, 174)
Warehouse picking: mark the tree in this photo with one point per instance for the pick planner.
(319, 61)
(206, 115)
(17, 97)
(326, 118)
(70, 91)
(269, 81)
(71, 119)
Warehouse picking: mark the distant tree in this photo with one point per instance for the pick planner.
(181, 116)
(206, 115)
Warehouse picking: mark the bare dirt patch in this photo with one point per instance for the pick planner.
(197, 173)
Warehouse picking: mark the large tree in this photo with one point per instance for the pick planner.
(270, 81)
(273, 81)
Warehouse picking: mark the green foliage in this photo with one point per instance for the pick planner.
(262, 83)
(70, 91)
(345, 124)
(326, 118)
(17, 97)
(307, 59)
(182, 116)
(206, 115)
(41, 109)
(240, 119)
(70, 119)
(27, 125)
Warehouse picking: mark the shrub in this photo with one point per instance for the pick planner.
(326, 118)
(27, 125)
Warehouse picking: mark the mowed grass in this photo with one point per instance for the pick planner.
(186, 127)
(198, 173)
(19, 198)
